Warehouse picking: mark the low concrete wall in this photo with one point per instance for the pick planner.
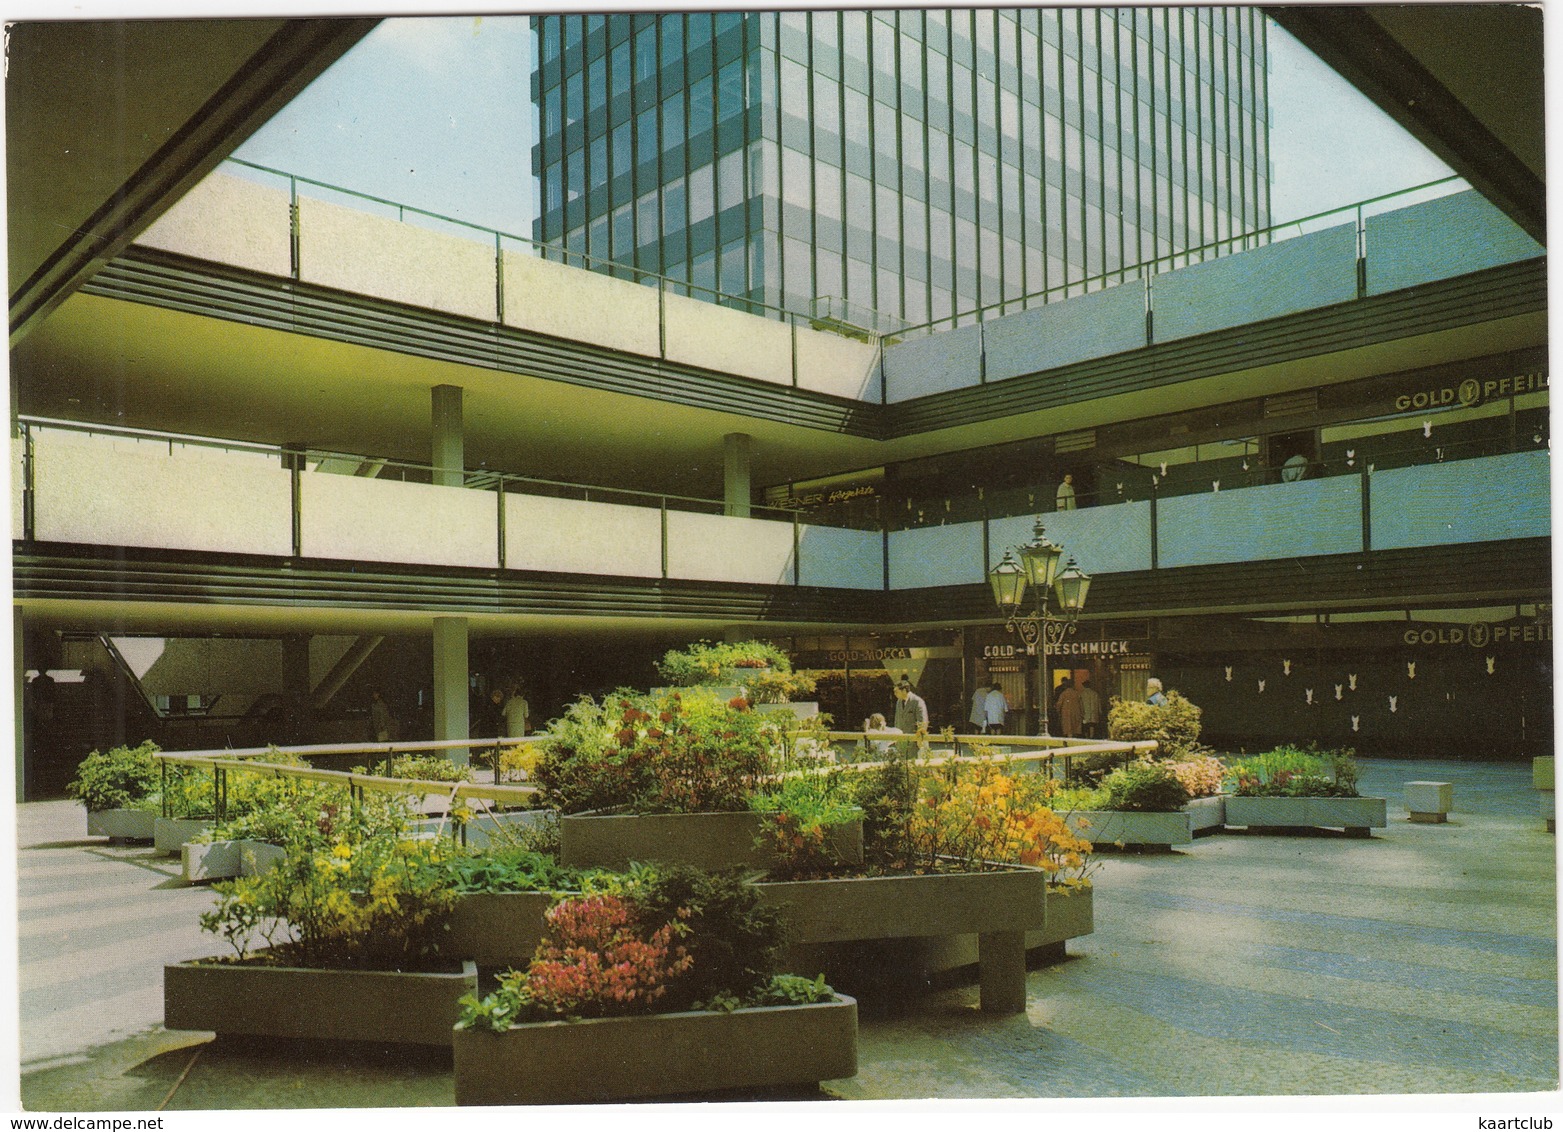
(574, 536)
(703, 334)
(118, 491)
(390, 521)
(229, 219)
(585, 306)
(352, 250)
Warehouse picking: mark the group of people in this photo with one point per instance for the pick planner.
(1079, 709)
(503, 714)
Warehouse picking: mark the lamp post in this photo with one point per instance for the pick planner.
(1042, 630)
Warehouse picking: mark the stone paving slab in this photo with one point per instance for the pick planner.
(1421, 960)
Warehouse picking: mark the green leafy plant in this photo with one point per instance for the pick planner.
(1068, 799)
(773, 687)
(370, 900)
(727, 662)
(794, 990)
(673, 753)
(1144, 787)
(806, 809)
(118, 779)
(1296, 772)
(434, 768)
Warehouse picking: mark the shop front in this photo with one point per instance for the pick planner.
(1111, 658)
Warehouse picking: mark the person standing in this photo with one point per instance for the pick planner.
(1153, 694)
(995, 709)
(516, 710)
(1090, 710)
(1069, 710)
(1064, 500)
(381, 722)
(490, 720)
(979, 708)
(911, 712)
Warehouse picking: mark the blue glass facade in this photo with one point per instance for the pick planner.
(899, 166)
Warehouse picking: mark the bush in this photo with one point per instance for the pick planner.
(1175, 725)
(1144, 787)
(777, 687)
(118, 779)
(1296, 772)
(731, 662)
(435, 768)
(370, 900)
(672, 940)
(656, 754)
(1201, 775)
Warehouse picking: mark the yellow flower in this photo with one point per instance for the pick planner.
(343, 851)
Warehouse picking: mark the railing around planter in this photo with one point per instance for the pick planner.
(1055, 752)
(252, 760)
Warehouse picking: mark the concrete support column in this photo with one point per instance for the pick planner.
(449, 444)
(298, 713)
(737, 492)
(450, 683)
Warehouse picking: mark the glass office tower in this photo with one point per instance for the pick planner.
(895, 167)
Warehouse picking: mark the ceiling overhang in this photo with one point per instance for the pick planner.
(109, 122)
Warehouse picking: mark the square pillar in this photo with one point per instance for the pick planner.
(448, 443)
(450, 683)
(737, 493)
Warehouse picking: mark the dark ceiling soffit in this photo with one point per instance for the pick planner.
(1371, 60)
(1484, 296)
(1388, 578)
(194, 286)
(267, 82)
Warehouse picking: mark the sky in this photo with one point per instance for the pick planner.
(436, 113)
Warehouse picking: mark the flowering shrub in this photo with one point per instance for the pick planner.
(1294, 772)
(671, 940)
(656, 754)
(435, 768)
(366, 899)
(1201, 775)
(728, 662)
(976, 813)
(805, 808)
(600, 959)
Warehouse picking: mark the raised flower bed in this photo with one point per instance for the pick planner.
(656, 1055)
(1291, 788)
(310, 1002)
(119, 789)
(121, 825)
(497, 927)
(998, 907)
(223, 860)
(170, 834)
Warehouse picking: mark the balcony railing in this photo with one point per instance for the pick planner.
(119, 487)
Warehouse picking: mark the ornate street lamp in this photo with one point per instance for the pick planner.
(1041, 630)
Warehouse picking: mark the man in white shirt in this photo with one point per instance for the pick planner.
(995, 707)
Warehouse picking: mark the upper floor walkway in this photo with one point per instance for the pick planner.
(87, 486)
(293, 229)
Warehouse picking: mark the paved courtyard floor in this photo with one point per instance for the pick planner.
(1422, 960)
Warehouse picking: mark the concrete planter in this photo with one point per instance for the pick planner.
(481, 830)
(992, 909)
(1354, 815)
(707, 841)
(121, 825)
(299, 1002)
(1123, 827)
(498, 928)
(220, 860)
(617, 1059)
(170, 834)
(1071, 913)
(1207, 813)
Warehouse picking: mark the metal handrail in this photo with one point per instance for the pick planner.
(1122, 274)
(1146, 268)
(548, 250)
